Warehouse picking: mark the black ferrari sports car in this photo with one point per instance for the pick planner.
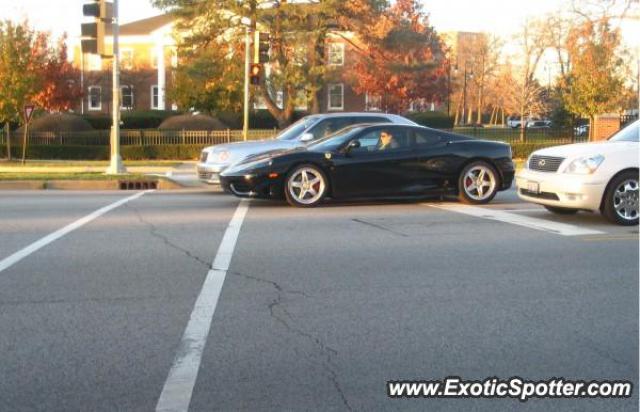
(377, 161)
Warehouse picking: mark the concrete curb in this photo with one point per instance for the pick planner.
(162, 184)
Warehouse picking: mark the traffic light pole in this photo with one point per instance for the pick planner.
(116, 166)
(247, 58)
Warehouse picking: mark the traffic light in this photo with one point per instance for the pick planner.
(93, 33)
(254, 74)
(262, 44)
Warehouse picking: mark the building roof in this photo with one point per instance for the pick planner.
(145, 26)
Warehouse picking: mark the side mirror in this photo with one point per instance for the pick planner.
(306, 137)
(354, 144)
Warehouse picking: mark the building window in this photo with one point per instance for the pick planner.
(126, 59)
(94, 98)
(155, 97)
(95, 62)
(336, 97)
(127, 98)
(373, 103)
(336, 54)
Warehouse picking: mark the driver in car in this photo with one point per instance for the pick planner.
(387, 141)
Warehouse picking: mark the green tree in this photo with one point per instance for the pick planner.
(297, 67)
(594, 82)
(22, 55)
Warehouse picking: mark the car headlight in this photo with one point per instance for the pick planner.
(584, 165)
(223, 155)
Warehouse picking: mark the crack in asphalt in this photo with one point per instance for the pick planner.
(386, 229)
(328, 351)
(165, 239)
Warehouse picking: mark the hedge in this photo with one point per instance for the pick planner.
(437, 120)
(258, 119)
(68, 152)
(132, 120)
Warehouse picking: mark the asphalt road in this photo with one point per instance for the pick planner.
(319, 307)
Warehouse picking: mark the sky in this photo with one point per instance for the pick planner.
(501, 17)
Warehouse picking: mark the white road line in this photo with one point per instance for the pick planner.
(177, 391)
(563, 229)
(39, 244)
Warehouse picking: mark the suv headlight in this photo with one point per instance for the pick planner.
(584, 165)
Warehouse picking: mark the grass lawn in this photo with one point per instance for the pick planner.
(71, 176)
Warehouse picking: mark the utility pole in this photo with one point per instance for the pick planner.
(116, 166)
(247, 57)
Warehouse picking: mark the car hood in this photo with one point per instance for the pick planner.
(587, 149)
(235, 152)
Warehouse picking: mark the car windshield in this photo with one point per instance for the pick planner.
(295, 130)
(630, 133)
(335, 140)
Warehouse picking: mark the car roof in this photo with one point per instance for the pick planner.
(397, 119)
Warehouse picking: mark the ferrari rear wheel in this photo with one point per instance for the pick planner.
(305, 186)
(478, 183)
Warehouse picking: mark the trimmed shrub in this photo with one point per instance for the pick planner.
(437, 120)
(258, 119)
(131, 120)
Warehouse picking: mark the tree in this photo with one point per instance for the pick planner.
(60, 88)
(298, 33)
(22, 56)
(402, 58)
(595, 81)
(527, 90)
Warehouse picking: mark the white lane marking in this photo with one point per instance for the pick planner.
(177, 390)
(563, 229)
(39, 244)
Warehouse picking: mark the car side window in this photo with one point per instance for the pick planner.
(424, 138)
(329, 126)
(383, 140)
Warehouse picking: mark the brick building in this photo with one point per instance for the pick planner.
(148, 55)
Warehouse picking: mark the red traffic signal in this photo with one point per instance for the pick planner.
(254, 73)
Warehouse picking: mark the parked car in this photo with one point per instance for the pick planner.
(215, 159)
(539, 124)
(373, 161)
(582, 130)
(600, 176)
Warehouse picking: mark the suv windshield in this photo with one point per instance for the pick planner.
(630, 133)
(295, 130)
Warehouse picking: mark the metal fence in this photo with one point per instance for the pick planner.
(561, 135)
(151, 137)
(147, 137)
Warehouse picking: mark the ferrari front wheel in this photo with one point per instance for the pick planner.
(305, 186)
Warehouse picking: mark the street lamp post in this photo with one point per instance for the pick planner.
(247, 57)
(116, 166)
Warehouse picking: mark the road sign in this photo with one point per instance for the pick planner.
(28, 112)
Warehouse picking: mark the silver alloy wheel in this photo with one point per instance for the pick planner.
(479, 182)
(306, 186)
(625, 199)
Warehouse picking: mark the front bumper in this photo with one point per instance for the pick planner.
(210, 172)
(253, 186)
(561, 190)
